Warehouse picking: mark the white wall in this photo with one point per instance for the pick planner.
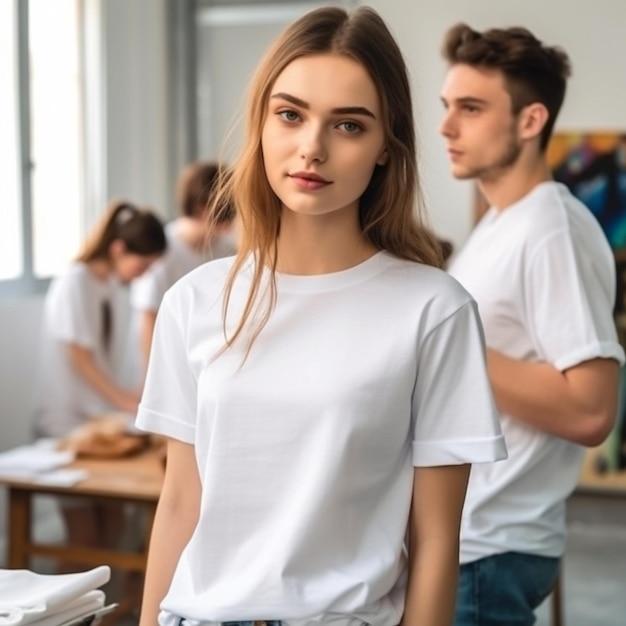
(592, 33)
(136, 102)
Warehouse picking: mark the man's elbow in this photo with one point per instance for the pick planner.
(596, 427)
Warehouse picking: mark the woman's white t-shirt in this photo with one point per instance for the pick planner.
(306, 449)
(73, 314)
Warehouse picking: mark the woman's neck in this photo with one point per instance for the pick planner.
(314, 244)
(100, 268)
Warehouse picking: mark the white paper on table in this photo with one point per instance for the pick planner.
(61, 477)
(33, 458)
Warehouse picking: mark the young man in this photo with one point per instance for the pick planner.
(543, 275)
(192, 239)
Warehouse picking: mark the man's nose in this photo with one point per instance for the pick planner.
(447, 126)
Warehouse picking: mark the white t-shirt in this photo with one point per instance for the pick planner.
(73, 313)
(544, 279)
(305, 451)
(179, 258)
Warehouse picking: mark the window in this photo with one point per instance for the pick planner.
(42, 129)
(10, 216)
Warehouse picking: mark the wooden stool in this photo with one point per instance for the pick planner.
(557, 603)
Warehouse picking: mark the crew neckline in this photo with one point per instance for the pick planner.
(315, 283)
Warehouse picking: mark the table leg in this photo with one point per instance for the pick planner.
(20, 517)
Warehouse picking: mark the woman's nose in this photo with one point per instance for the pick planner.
(313, 144)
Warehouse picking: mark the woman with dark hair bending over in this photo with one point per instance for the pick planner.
(77, 370)
(324, 392)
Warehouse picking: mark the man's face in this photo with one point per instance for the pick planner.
(480, 129)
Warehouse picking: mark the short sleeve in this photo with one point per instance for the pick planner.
(569, 299)
(454, 416)
(74, 311)
(168, 403)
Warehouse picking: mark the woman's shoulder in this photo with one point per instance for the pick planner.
(76, 275)
(426, 281)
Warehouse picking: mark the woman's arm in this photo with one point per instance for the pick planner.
(434, 526)
(175, 520)
(84, 364)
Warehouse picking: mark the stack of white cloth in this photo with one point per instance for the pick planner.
(51, 599)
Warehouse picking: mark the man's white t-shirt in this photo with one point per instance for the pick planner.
(306, 449)
(73, 314)
(543, 276)
(179, 258)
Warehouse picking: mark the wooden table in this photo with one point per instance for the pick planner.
(135, 480)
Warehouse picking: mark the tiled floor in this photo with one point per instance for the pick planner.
(594, 574)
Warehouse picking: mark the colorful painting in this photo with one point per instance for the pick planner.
(593, 166)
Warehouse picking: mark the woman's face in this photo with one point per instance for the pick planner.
(323, 134)
(129, 265)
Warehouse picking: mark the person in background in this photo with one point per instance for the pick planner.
(193, 238)
(324, 392)
(77, 376)
(543, 275)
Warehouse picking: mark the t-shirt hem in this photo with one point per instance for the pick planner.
(470, 556)
(457, 452)
(154, 422)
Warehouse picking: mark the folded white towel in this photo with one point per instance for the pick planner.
(26, 596)
(86, 605)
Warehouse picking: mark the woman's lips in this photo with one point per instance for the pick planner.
(309, 181)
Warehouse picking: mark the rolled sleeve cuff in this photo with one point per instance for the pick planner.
(160, 424)
(602, 350)
(432, 453)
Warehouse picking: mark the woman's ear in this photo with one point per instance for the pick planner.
(533, 118)
(383, 158)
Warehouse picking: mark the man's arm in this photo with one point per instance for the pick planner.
(578, 404)
(147, 321)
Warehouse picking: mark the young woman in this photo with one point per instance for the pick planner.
(325, 392)
(80, 311)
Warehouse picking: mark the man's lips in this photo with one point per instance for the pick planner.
(309, 180)
(454, 154)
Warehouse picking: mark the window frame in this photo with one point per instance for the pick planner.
(28, 283)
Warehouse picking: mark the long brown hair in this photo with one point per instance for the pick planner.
(140, 230)
(391, 208)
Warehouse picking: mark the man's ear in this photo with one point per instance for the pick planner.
(383, 158)
(532, 120)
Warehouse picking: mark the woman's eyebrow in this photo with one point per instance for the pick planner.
(350, 110)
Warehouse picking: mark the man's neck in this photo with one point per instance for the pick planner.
(516, 182)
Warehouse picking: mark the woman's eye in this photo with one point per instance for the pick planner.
(350, 127)
(288, 116)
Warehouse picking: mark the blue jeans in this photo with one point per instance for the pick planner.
(504, 589)
(244, 623)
